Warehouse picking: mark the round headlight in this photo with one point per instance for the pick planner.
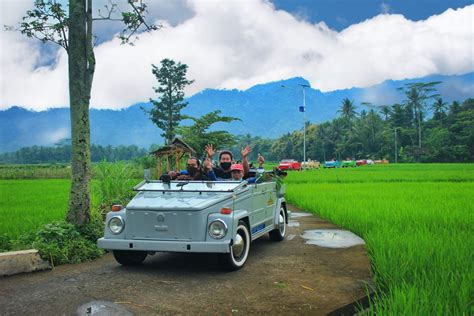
(217, 229)
(116, 224)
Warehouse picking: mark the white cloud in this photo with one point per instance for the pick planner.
(236, 44)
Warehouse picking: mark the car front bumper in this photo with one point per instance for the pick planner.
(165, 246)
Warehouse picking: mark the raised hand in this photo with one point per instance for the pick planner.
(245, 152)
(209, 150)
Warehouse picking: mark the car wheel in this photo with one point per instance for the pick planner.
(239, 251)
(279, 233)
(129, 257)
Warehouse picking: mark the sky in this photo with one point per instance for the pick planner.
(235, 44)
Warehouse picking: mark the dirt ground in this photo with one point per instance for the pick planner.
(287, 278)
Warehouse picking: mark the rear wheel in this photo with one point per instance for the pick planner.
(130, 257)
(239, 251)
(279, 233)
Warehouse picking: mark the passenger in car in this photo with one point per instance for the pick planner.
(193, 171)
(225, 161)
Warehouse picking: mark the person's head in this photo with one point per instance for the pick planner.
(225, 159)
(237, 172)
(193, 165)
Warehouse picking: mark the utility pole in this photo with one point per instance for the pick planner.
(396, 155)
(302, 109)
(304, 120)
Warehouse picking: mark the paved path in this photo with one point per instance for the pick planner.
(288, 277)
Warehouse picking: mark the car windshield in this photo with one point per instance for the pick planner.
(189, 186)
(287, 160)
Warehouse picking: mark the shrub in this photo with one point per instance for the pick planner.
(5, 243)
(61, 242)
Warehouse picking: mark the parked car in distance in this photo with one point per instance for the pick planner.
(221, 217)
(361, 162)
(332, 164)
(348, 163)
(310, 164)
(289, 164)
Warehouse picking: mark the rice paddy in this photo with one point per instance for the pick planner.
(417, 221)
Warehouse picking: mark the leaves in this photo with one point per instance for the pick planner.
(198, 134)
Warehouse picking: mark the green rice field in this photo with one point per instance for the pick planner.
(417, 221)
(28, 204)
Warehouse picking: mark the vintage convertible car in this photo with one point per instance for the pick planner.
(348, 163)
(221, 217)
(332, 164)
(289, 164)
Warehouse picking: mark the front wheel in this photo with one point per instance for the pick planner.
(239, 251)
(279, 233)
(130, 257)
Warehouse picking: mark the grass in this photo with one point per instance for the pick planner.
(417, 221)
(26, 205)
(61, 171)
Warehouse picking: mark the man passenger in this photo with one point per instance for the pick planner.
(194, 171)
(225, 161)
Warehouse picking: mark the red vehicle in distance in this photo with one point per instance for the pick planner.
(289, 164)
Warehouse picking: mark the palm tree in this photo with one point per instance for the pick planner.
(385, 109)
(439, 107)
(417, 95)
(348, 110)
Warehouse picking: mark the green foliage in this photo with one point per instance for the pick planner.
(61, 154)
(448, 136)
(5, 243)
(48, 22)
(146, 162)
(166, 111)
(417, 223)
(198, 135)
(95, 228)
(114, 184)
(61, 242)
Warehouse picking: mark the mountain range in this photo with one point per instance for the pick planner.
(267, 110)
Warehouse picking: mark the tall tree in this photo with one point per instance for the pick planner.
(166, 111)
(49, 22)
(417, 95)
(348, 110)
(439, 108)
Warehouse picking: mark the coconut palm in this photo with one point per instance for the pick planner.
(348, 110)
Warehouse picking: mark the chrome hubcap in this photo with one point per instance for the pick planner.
(238, 246)
(281, 223)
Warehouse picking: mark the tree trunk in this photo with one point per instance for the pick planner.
(81, 70)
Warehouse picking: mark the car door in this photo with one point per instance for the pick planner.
(259, 208)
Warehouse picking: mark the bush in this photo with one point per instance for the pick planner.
(61, 242)
(95, 229)
(5, 243)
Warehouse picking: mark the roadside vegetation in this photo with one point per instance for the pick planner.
(417, 223)
(33, 212)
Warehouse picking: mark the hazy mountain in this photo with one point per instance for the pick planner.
(267, 110)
